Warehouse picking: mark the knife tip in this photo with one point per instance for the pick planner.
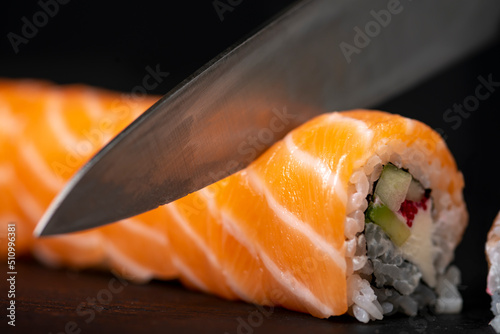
(49, 223)
(46, 225)
(40, 229)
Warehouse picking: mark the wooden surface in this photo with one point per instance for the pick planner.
(62, 301)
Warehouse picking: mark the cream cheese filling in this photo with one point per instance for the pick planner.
(419, 248)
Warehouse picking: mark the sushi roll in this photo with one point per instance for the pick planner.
(354, 212)
(493, 282)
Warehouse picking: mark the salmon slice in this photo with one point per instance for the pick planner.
(284, 231)
(47, 133)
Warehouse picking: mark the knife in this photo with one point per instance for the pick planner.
(317, 56)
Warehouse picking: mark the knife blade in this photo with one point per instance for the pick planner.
(317, 56)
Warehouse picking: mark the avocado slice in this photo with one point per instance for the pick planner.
(392, 186)
(394, 226)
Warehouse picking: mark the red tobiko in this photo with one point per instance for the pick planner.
(410, 208)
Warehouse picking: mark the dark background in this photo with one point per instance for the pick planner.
(110, 46)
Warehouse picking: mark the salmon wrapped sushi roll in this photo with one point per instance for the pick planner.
(357, 211)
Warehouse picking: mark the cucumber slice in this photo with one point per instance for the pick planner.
(394, 226)
(415, 191)
(392, 186)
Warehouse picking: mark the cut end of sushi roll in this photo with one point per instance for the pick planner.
(401, 229)
(493, 282)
